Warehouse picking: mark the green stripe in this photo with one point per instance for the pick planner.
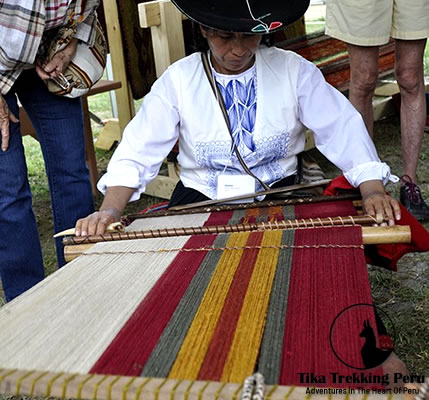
(272, 342)
(165, 352)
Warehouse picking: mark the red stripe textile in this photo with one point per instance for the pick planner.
(390, 253)
(324, 282)
(132, 346)
(325, 209)
(221, 341)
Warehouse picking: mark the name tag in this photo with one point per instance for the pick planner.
(235, 185)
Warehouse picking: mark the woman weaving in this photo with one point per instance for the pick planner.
(270, 95)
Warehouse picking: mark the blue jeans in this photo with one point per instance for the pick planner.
(59, 125)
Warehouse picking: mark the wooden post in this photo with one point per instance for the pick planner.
(123, 95)
(165, 22)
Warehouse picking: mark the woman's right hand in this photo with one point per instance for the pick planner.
(97, 222)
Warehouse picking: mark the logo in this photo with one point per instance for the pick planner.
(372, 339)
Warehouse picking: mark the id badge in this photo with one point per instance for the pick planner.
(235, 185)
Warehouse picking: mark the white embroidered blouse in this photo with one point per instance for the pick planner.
(269, 107)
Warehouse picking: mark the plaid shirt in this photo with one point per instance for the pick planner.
(22, 27)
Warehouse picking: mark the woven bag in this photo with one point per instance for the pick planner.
(86, 66)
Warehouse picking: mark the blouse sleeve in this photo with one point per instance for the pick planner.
(146, 141)
(339, 131)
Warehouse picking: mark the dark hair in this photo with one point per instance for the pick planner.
(200, 42)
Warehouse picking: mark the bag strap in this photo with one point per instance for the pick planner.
(207, 70)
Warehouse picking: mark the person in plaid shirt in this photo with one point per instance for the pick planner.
(59, 125)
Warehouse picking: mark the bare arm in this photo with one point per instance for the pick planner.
(111, 209)
(378, 203)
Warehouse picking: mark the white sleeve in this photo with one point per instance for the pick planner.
(146, 141)
(339, 131)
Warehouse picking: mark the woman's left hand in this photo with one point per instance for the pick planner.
(378, 203)
(59, 62)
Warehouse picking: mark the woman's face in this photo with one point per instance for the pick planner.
(232, 53)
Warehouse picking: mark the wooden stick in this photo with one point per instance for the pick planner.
(370, 235)
(205, 230)
(103, 387)
(127, 219)
(285, 189)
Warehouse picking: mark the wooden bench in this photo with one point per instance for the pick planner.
(100, 87)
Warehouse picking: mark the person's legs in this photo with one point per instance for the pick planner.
(363, 80)
(21, 263)
(410, 77)
(59, 126)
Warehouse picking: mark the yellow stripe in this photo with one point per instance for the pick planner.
(81, 385)
(66, 382)
(97, 386)
(9, 372)
(235, 395)
(289, 392)
(157, 390)
(140, 388)
(173, 390)
(51, 382)
(201, 392)
(250, 327)
(197, 340)
(33, 385)
(126, 387)
(110, 387)
(188, 390)
(271, 392)
(19, 382)
(218, 392)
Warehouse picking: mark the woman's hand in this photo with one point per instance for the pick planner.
(97, 222)
(5, 116)
(59, 62)
(115, 200)
(378, 203)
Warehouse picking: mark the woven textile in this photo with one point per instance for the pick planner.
(262, 301)
(205, 307)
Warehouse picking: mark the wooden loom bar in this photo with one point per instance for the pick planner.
(242, 206)
(103, 387)
(205, 230)
(370, 235)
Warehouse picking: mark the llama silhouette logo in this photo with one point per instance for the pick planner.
(370, 336)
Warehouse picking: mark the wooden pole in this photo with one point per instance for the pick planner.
(124, 99)
(370, 235)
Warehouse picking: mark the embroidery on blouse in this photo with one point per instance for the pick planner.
(216, 158)
(261, 155)
(240, 102)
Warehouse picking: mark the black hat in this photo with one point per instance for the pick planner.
(251, 16)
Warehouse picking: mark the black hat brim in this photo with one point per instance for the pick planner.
(246, 16)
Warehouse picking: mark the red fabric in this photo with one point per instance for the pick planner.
(132, 346)
(220, 344)
(389, 254)
(325, 209)
(323, 283)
